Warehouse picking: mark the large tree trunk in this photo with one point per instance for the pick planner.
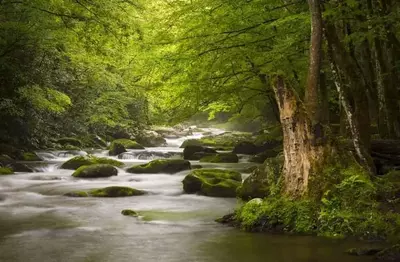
(304, 141)
(303, 157)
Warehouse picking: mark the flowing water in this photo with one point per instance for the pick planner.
(38, 223)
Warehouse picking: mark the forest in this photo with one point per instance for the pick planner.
(273, 116)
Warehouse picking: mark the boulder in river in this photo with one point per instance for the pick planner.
(263, 179)
(95, 171)
(247, 148)
(194, 152)
(120, 145)
(129, 212)
(112, 191)
(78, 161)
(221, 158)
(191, 142)
(6, 171)
(30, 156)
(212, 182)
(151, 139)
(168, 166)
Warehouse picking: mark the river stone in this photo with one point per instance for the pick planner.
(258, 184)
(194, 152)
(261, 157)
(95, 171)
(151, 139)
(120, 145)
(246, 147)
(168, 166)
(129, 212)
(191, 142)
(221, 158)
(212, 182)
(78, 161)
(30, 156)
(6, 171)
(116, 191)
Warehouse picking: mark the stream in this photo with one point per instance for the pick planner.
(38, 223)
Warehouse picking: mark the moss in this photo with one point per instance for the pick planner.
(263, 181)
(128, 144)
(94, 171)
(69, 141)
(168, 166)
(116, 149)
(78, 161)
(129, 212)
(221, 158)
(212, 182)
(191, 142)
(71, 148)
(6, 171)
(78, 194)
(30, 156)
(115, 191)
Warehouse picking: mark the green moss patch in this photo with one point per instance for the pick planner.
(113, 191)
(78, 161)
(168, 166)
(6, 171)
(129, 212)
(212, 182)
(95, 171)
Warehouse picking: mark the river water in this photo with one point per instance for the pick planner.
(38, 223)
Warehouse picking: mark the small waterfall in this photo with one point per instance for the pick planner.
(46, 155)
(46, 168)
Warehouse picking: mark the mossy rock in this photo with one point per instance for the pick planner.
(261, 157)
(389, 254)
(71, 147)
(95, 171)
(30, 156)
(225, 140)
(116, 149)
(69, 141)
(128, 144)
(119, 146)
(112, 191)
(129, 212)
(116, 191)
(193, 152)
(78, 161)
(168, 166)
(191, 142)
(6, 171)
(262, 180)
(151, 139)
(212, 182)
(221, 158)
(246, 147)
